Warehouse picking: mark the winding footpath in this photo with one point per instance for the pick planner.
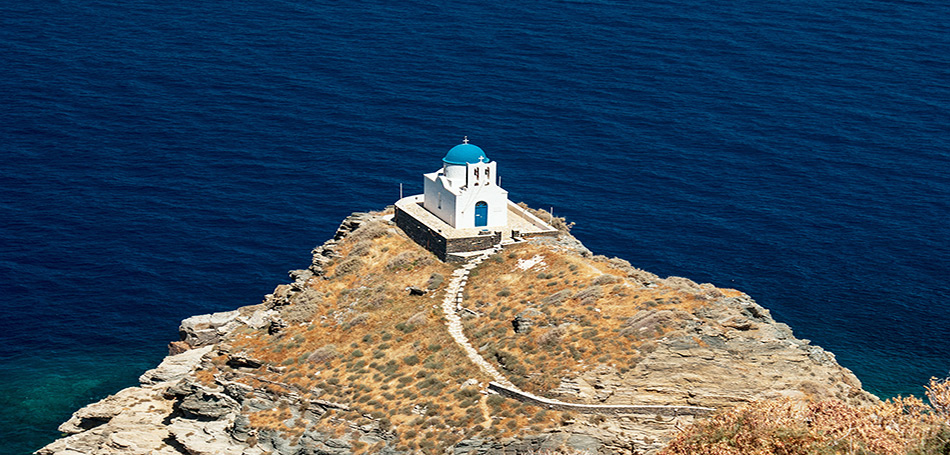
(452, 304)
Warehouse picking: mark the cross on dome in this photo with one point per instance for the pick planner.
(465, 153)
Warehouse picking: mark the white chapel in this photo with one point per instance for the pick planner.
(463, 211)
(464, 192)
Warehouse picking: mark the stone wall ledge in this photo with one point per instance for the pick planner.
(607, 409)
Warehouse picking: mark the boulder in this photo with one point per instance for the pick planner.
(177, 347)
(209, 437)
(174, 367)
(205, 403)
(526, 319)
(205, 329)
(242, 360)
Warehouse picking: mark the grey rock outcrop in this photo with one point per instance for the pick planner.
(529, 444)
(207, 329)
(728, 353)
(134, 420)
(523, 321)
(208, 404)
(199, 437)
(174, 367)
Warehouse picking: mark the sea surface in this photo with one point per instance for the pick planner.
(160, 159)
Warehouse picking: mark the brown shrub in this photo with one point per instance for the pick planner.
(789, 427)
(402, 261)
(362, 248)
(306, 296)
(938, 392)
(348, 266)
(304, 305)
(607, 279)
(368, 231)
(551, 338)
(297, 313)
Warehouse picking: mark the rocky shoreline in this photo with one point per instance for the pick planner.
(731, 352)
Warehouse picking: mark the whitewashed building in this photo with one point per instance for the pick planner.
(464, 192)
(462, 211)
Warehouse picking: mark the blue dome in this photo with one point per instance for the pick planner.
(465, 153)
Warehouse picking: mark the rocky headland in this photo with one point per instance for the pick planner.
(379, 347)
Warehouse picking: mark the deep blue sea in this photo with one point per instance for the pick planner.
(160, 159)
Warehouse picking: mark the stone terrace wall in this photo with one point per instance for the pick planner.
(437, 243)
(606, 409)
(421, 234)
(466, 244)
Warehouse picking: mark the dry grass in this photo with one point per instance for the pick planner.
(787, 427)
(583, 313)
(206, 377)
(386, 354)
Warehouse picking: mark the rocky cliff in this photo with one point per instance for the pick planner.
(361, 353)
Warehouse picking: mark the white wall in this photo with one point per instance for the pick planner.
(434, 188)
(459, 195)
(455, 172)
(487, 191)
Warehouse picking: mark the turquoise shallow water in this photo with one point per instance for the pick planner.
(166, 159)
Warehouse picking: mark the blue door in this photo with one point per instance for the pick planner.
(481, 214)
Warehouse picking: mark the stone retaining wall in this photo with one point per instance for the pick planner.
(420, 233)
(437, 243)
(466, 244)
(606, 409)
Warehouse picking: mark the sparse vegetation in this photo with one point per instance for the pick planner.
(359, 344)
(569, 319)
(788, 427)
